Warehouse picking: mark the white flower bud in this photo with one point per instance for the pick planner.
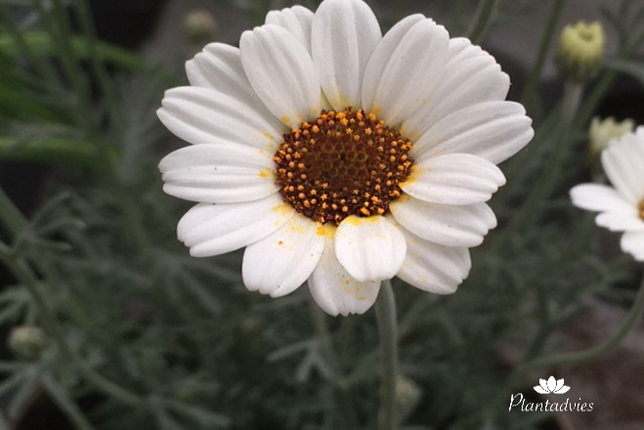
(580, 51)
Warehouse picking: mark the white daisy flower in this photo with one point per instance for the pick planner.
(341, 157)
(621, 206)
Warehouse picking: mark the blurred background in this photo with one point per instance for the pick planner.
(109, 324)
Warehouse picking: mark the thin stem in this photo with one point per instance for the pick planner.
(531, 209)
(569, 358)
(532, 84)
(329, 354)
(26, 277)
(325, 337)
(386, 317)
(482, 20)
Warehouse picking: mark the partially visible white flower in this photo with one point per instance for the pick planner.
(552, 385)
(603, 131)
(341, 157)
(621, 206)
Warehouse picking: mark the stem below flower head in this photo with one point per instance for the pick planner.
(387, 327)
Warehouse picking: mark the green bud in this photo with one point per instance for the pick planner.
(27, 341)
(199, 27)
(580, 51)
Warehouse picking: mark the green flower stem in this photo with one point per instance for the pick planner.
(26, 277)
(387, 328)
(481, 21)
(345, 401)
(570, 358)
(605, 83)
(531, 209)
(530, 90)
(324, 336)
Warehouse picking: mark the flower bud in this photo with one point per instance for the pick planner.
(27, 341)
(580, 51)
(408, 395)
(199, 27)
(603, 131)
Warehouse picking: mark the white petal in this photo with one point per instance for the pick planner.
(633, 243)
(617, 221)
(600, 197)
(216, 229)
(202, 115)
(283, 261)
(334, 290)
(402, 71)
(344, 35)
(623, 163)
(455, 179)
(492, 130)
(225, 172)
(281, 71)
(219, 67)
(471, 76)
(448, 225)
(432, 267)
(297, 20)
(369, 248)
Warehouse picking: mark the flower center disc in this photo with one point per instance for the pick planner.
(642, 209)
(343, 163)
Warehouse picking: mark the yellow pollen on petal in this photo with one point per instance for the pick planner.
(352, 160)
(264, 173)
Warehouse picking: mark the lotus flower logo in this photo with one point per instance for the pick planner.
(552, 385)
